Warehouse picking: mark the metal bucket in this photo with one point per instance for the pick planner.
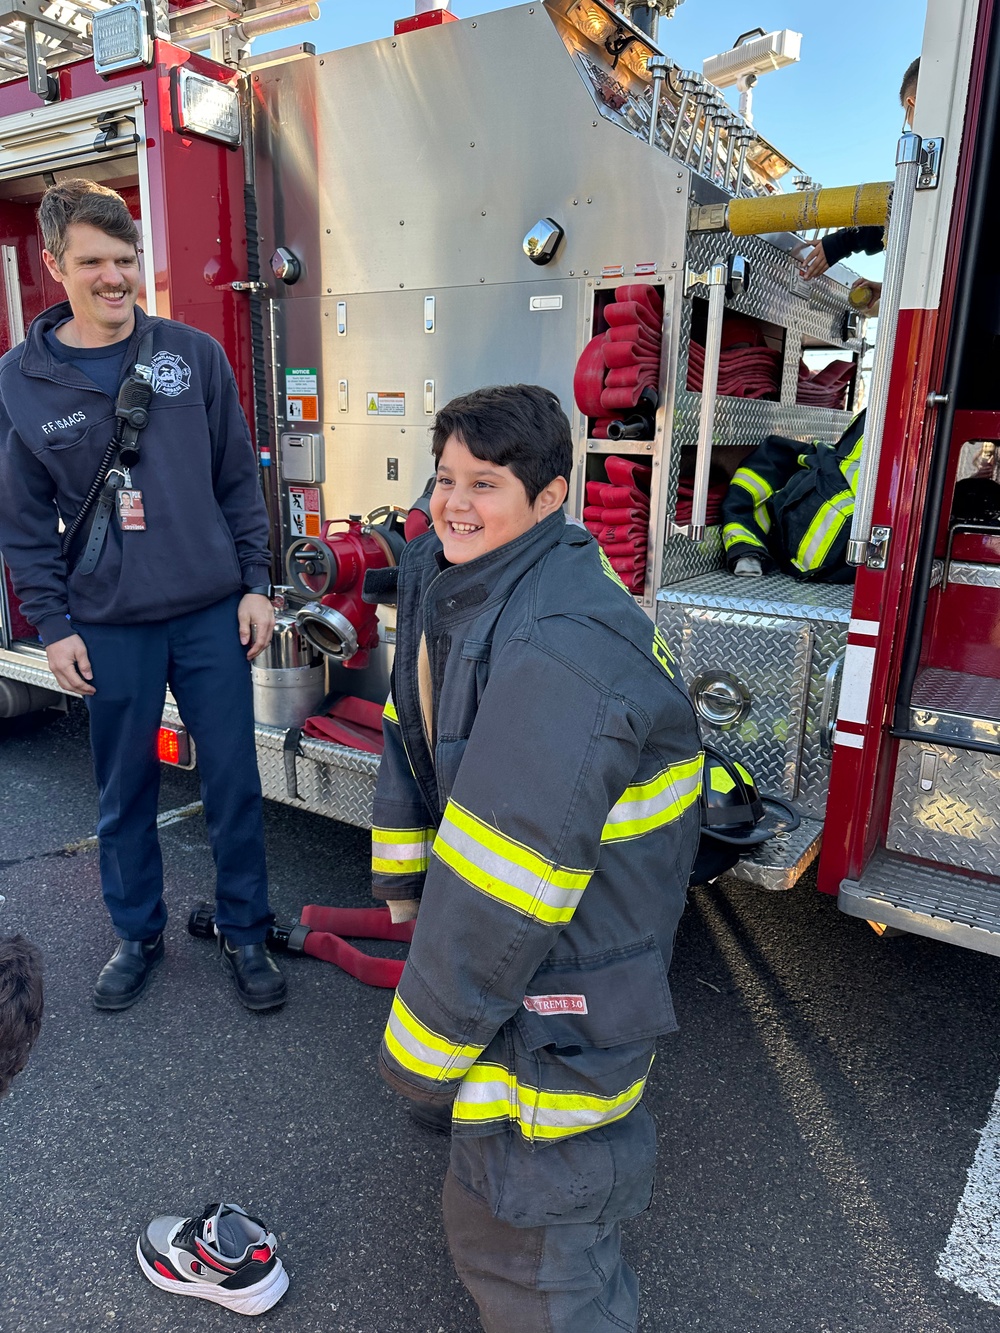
(289, 677)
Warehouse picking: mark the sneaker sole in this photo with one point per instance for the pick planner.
(116, 1006)
(249, 1300)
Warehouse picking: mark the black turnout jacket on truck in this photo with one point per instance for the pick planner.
(548, 825)
(206, 522)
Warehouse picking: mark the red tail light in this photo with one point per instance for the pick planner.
(173, 746)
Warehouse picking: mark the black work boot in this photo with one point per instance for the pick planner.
(259, 984)
(126, 974)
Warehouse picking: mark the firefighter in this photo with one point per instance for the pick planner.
(538, 799)
(838, 245)
(789, 506)
(171, 586)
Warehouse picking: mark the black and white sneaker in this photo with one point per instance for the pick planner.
(225, 1256)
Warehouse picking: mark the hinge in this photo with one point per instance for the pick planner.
(931, 151)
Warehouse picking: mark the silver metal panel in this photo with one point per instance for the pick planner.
(953, 706)
(29, 667)
(482, 335)
(781, 863)
(754, 606)
(974, 575)
(772, 657)
(426, 161)
(926, 900)
(946, 806)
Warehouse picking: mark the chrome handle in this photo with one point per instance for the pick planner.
(901, 209)
(827, 722)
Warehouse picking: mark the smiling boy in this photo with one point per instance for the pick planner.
(538, 798)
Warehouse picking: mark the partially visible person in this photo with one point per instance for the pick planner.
(832, 249)
(167, 582)
(21, 1003)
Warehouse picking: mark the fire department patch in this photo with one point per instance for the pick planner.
(171, 374)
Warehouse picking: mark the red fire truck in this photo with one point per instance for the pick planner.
(373, 231)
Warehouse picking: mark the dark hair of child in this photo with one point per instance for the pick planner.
(20, 1005)
(520, 426)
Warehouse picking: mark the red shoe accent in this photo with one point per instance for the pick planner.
(262, 1255)
(212, 1263)
(164, 1271)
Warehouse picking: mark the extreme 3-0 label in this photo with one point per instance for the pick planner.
(386, 404)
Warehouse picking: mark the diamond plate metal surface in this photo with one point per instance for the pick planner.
(780, 863)
(974, 575)
(29, 669)
(333, 780)
(927, 900)
(956, 819)
(734, 616)
(956, 692)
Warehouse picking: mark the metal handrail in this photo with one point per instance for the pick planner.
(907, 171)
(715, 279)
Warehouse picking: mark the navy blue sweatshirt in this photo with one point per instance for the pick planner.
(206, 522)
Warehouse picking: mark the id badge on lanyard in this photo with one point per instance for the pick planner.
(131, 514)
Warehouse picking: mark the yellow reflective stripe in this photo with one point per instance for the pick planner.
(423, 1051)
(401, 851)
(735, 534)
(389, 711)
(762, 517)
(849, 465)
(609, 568)
(650, 805)
(753, 483)
(823, 531)
(491, 1092)
(507, 870)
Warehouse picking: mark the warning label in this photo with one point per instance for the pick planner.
(302, 393)
(302, 409)
(303, 511)
(386, 404)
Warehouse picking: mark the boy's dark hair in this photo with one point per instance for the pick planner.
(909, 80)
(20, 1005)
(520, 426)
(80, 200)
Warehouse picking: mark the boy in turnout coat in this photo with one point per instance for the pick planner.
(538, 800)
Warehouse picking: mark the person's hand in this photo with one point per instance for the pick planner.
(256, 616)
(69, 663)
(876, 295)
(815, 262)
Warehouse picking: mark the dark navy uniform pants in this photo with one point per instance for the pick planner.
(199, 655)
(535, 1233)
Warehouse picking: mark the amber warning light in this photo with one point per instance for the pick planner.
(173, 746)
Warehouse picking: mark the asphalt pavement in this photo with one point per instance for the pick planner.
(818, 1112)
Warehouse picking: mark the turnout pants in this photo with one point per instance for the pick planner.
(535, 1233)
(201, 658)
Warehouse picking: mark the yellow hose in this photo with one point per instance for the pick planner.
(846, 206)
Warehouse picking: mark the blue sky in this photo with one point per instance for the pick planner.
(836, 113)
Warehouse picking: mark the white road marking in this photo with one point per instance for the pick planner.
(162, 821)
(971, 1256)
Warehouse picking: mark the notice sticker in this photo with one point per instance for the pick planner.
(385, 404)
(303, 511)
(302, 393)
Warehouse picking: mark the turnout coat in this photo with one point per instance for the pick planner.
(548, 824)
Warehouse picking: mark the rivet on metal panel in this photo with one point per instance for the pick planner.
(402, 284)
(402, 223)
(594, 123)
(590, 201)
(483, 214)
(475, 25)
(575, 202)
(472, 144)
(572, 273)
(328, 231)
(586, 271)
